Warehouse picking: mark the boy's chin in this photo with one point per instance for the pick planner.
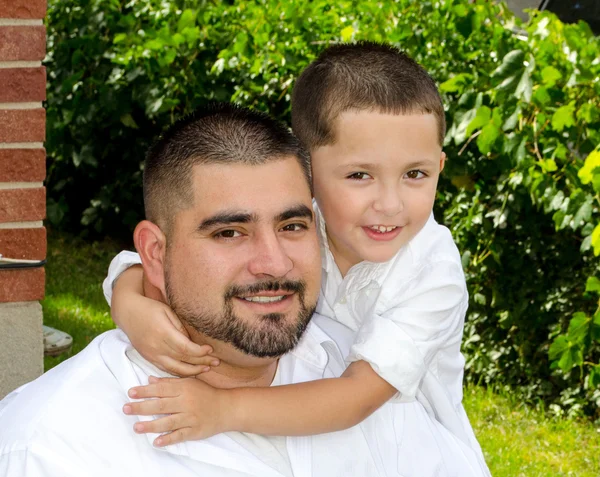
(381, 254)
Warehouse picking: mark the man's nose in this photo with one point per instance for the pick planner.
(388, 201)
(270, 257)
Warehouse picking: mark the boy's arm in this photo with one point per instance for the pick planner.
(314, 407)
(197, 410)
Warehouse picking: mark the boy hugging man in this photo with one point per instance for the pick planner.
(373, 122)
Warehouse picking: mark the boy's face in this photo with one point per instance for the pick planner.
(376, 185)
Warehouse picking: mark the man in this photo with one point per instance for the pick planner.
(227, 195)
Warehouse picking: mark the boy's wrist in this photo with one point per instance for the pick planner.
(234, 416)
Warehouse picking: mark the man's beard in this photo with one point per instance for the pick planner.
(270, 336)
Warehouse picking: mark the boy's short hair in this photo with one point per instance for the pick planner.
(221, 133)
(363, 76)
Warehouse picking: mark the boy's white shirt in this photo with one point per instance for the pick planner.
(408, 314)
(69, 423)
(408, 318)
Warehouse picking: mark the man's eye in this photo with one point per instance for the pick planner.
(359, 176)
(416, 174)
(294, 227)
(227, 234)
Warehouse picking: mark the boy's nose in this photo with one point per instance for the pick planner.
(269, 258)
(389, 202)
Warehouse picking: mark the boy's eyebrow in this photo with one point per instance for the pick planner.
(227, 218)
(361, 166)
(420, 163)
(296, 211)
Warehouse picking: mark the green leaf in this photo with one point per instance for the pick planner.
(590, 167)
(511, 63)
(592, 285)
(541, 96)
(464, 119)
(456, 84)
(558, 347)
(594, 379)
(596, 240)
(578, 327)
(347, 34)
(524, 88)
(186, 20)
(488, 137)
(564, 117)
(128, 121)
(482, 117)
(584, 214)
(550, 75)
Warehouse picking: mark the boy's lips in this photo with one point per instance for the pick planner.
(382, 233)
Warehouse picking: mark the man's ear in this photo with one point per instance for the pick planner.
(442, 161)
(151, 244)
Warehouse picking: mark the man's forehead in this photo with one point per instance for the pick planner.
(264, 189)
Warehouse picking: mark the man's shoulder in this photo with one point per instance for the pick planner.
(69, 396)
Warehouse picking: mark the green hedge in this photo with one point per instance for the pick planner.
(523, 113)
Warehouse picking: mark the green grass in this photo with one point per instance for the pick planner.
(518, 440)
(74, 300)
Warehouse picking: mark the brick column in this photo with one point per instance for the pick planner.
(22, 193)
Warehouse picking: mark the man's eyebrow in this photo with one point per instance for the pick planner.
(226, 218)
(294, 212)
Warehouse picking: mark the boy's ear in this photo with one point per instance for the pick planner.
(151, 244)
(442, 160)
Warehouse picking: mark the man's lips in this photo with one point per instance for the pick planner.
(267, 302)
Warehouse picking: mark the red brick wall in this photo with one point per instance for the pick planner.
(22, 154)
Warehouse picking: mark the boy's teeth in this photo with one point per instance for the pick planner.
(264, 299)
(382, 228)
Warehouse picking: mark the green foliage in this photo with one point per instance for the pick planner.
(520, 191)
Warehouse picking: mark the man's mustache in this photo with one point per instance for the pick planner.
(270, 286)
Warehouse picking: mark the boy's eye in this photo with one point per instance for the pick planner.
(416, 174)
(227, 234)
(294, 227)
(359, 176)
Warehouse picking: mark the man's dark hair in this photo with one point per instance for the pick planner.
(222, 133)
(363, 76)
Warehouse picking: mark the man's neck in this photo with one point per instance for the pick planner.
(236, 369)
(226, 376)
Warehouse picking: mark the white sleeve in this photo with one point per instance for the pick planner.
(401, 342)
(41, 462)
(118, 265)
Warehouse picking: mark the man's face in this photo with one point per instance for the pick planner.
(242, 264)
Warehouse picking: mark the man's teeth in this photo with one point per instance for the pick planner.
(382, 228)
(264, 299)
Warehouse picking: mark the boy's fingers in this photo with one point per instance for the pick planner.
(158, 426)
(180, 435)
(155, 390)
(183, 369)
(151, 407)
(186, 348)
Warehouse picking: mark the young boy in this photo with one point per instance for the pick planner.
(373, 122)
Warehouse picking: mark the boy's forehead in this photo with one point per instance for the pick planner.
(370, 127)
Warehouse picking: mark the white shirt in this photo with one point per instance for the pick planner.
(408, 314)
(69, 423)
(408, 317)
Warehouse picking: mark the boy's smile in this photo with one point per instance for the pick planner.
(376, 184)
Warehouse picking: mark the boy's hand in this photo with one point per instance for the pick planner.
(162, 340)
(155, 330)
(196, 410)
